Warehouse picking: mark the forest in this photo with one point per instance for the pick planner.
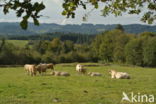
(113, 46)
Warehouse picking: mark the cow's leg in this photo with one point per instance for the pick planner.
(78, 72)
(113, 76)
(39, 72)
(34, 73)
(31, 73)
(52, 69)
(45, 72)
(27, 72)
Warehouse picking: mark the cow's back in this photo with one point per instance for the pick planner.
(41, 67)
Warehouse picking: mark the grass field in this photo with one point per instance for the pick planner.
(18, 88)
(19, 43)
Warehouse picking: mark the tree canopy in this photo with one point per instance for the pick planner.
(114, 46)
(28, 9)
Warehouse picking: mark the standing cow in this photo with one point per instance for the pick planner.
(41, 68)
(30, 69)
(80, 68)
(50, 66)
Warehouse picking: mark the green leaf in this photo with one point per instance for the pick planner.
(24, 24)
(64, 12)
(36, 22)
(96, 5)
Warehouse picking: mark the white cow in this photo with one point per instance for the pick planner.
(57, 73)
(30, 69)
(119, 75)
(80, 68)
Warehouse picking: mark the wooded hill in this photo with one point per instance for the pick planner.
(15, 29)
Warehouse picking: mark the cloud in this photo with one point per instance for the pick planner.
(58, 2)
(9, 20)
(64, 22)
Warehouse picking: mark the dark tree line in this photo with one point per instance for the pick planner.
(113, 46)
(76, 38)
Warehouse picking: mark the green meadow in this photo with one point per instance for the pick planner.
(16, 87)
(19, 43)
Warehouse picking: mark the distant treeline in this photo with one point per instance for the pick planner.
(115, 46)
(14, 28)
(76, 38)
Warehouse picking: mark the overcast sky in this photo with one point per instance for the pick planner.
(53, 10)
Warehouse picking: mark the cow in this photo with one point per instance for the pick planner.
(94, 74)
(119, 75)
(30, 69)
(57, 73)
(41, 68)
(80, 68)
(50, 66)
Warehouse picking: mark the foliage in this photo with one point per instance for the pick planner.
(150, 52)
(113, 46)
(120, 27)
(134, 52)
(119, 52)
(115, 7)
(27, 9)
(109, 45)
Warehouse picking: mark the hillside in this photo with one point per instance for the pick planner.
(14, 28)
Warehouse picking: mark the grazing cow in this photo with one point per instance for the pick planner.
(57, 73)
(80, 68)
(30, 69)
(94, 74)
(119, 75)
(50, 66)
(41, 68)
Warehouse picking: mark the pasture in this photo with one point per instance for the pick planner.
(18, 88)
(19, 43)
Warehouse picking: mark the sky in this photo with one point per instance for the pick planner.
(52, 14)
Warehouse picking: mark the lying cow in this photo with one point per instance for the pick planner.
(57, 73)
(119, 75)
(94, 74)
(80, 68)
(42, 68)
(30, 69)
